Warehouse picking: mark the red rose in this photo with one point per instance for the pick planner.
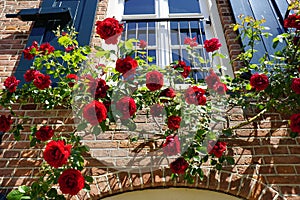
(109, 29)
(44, 133)
(125, 65)
(174, 122)
(220, 88)
(296, 85)
(212, 44)
(156, 110)
(5, 123)
(154, 80)
(98, 88)
(30, 74)
(259, 81)
(186, 69)
(71, 181)
(295, 123)
(191, 41)
(168, 92)
(95, 112)
(171, 146)
(143, 44)
(69, 48)
(292, 21)
(72, 78)
(57, 153)
(212, 79)
(216, 148)
(46, 48)
(126, 106)
(195, 95)
(179, 166)
(31, 52)
(41, 81)
(11, 83)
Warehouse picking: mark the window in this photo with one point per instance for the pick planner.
(164, 24)
(82, 13)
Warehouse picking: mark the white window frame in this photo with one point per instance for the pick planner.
(209, 11)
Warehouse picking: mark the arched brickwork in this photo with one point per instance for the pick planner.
(267, 159)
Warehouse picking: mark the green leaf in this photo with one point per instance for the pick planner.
(23, 189)
(81, 126)
(218, 166)
(52, 192)
(293, 134)
(230, 160)
(248, 87)
(14, 195)
(96, 130)
(88, 179)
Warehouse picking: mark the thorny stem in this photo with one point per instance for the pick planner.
(246, 122)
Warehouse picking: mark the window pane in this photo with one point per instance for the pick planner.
(134, 7)
(181, 30)
(141, 31)
(181, 6)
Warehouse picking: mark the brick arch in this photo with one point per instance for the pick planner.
(241, 186)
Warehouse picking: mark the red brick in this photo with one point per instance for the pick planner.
(285, 170)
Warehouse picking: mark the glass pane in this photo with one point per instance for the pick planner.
(181, 30)
(134, 7)
(141, 31)
(184, 6)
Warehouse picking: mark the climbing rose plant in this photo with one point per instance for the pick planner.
(270, 85)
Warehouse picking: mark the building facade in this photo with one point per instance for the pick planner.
(267, 158)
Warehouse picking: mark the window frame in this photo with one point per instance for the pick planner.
(209, 12)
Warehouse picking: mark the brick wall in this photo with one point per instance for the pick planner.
(267, 159)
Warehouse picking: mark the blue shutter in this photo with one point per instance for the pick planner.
(271, 10)
(83, 14)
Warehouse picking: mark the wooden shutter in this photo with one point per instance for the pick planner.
(83, 14)
(272, 10)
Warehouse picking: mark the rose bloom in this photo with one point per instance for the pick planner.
(125, 65)
(292, 21)
(11, 83)
(212, 79)
(31, 52)
(212, 44)
(216, 148)
(296, 85)
(186, 69)
(41, 81)
(220, 88)
(95, 112)
(44, 133)
(46, 48)
(179, 166)
(98, 88)
(5, 123)
(57, 153)
(171, 146)
(71, 181)
(154, 80)
(259, 81)
(127, 106)
(295, 123)
(168, 92)
(156, 110)
(195, 95)
(69, 48)
(30, 74)
(174, 122)
(72, 78)
(191, 41)
(143, 44)
(109, 29)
